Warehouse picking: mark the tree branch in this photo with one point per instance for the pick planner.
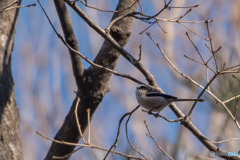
(70, 38)
(94, 84)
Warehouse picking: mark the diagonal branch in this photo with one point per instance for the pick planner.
(70, 38)
(94, 84)
(114, 43)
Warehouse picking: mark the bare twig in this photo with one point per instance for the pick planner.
(224, 64)
(67, 155)
(128, 138)
(147, 28)
(231, 99)
(119, 128)
(140, 54)
(192, 31)
(150, 135)
(200, 63)
(119, 18)
(211, 46)
(236, 77)
(185, 7)
(102, 10)
(169, 120)
(77, 121)
(85, 58)
(214, 53)
(156, 21)
(228, 140)
(231, 68)
(207, 77)
(236, 107)
(184, 15)
(195, 47)
(88, 117)
(165, 7)
(175, 20)
(193, 60)
(194, 82)
(87, 145)
(141, 8)
(8, 6)
(11, 6)
(199, 96)
(161, 27)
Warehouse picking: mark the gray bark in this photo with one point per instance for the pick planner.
(93, 82)
(10, 140)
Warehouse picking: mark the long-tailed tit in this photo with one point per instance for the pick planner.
(155, 101)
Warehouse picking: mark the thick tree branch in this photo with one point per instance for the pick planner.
(94, 84)
(108, 37)
(70, 38)
(10, 139)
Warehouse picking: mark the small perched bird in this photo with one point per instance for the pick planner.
(155, 101)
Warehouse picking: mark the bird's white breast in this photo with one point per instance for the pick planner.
(151, 102)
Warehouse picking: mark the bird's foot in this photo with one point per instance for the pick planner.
(154, 114)
(150, 112)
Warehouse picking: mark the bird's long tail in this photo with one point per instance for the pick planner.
(199, 100)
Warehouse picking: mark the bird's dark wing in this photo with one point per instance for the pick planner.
(157, 94)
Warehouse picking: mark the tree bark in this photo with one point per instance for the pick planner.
(10, 140)
(93, 82)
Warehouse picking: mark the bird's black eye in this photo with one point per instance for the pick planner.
(144, 88)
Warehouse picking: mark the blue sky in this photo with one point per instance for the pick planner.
(44, 83)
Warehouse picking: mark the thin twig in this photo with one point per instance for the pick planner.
(87, 145)
(8, 6)
(211, 46)
(233, 139)
(161, 28)
(214, 53)
(186, 6)
(199, 96)
(169, 120)
(150, 135)
(236, 107)
(140, 54)
(88, 117)
(77, 121)
(119, 18)
(193, 60)
(195, 47)
(67, 155)
(188, 11)
(165, 7)
(207, 78)
(231, 99)
(192, 31)
(194, 82)
(128, 138)
(147, 28)
(85, 58)
(200, 63)
(236, 77)
(231, 68)
(119, 128)
(102, 10)
(175, 20)
(11, 6)
(224, 64)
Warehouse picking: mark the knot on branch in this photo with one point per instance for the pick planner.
(118, 34)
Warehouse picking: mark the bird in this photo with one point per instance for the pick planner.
(155, 101)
